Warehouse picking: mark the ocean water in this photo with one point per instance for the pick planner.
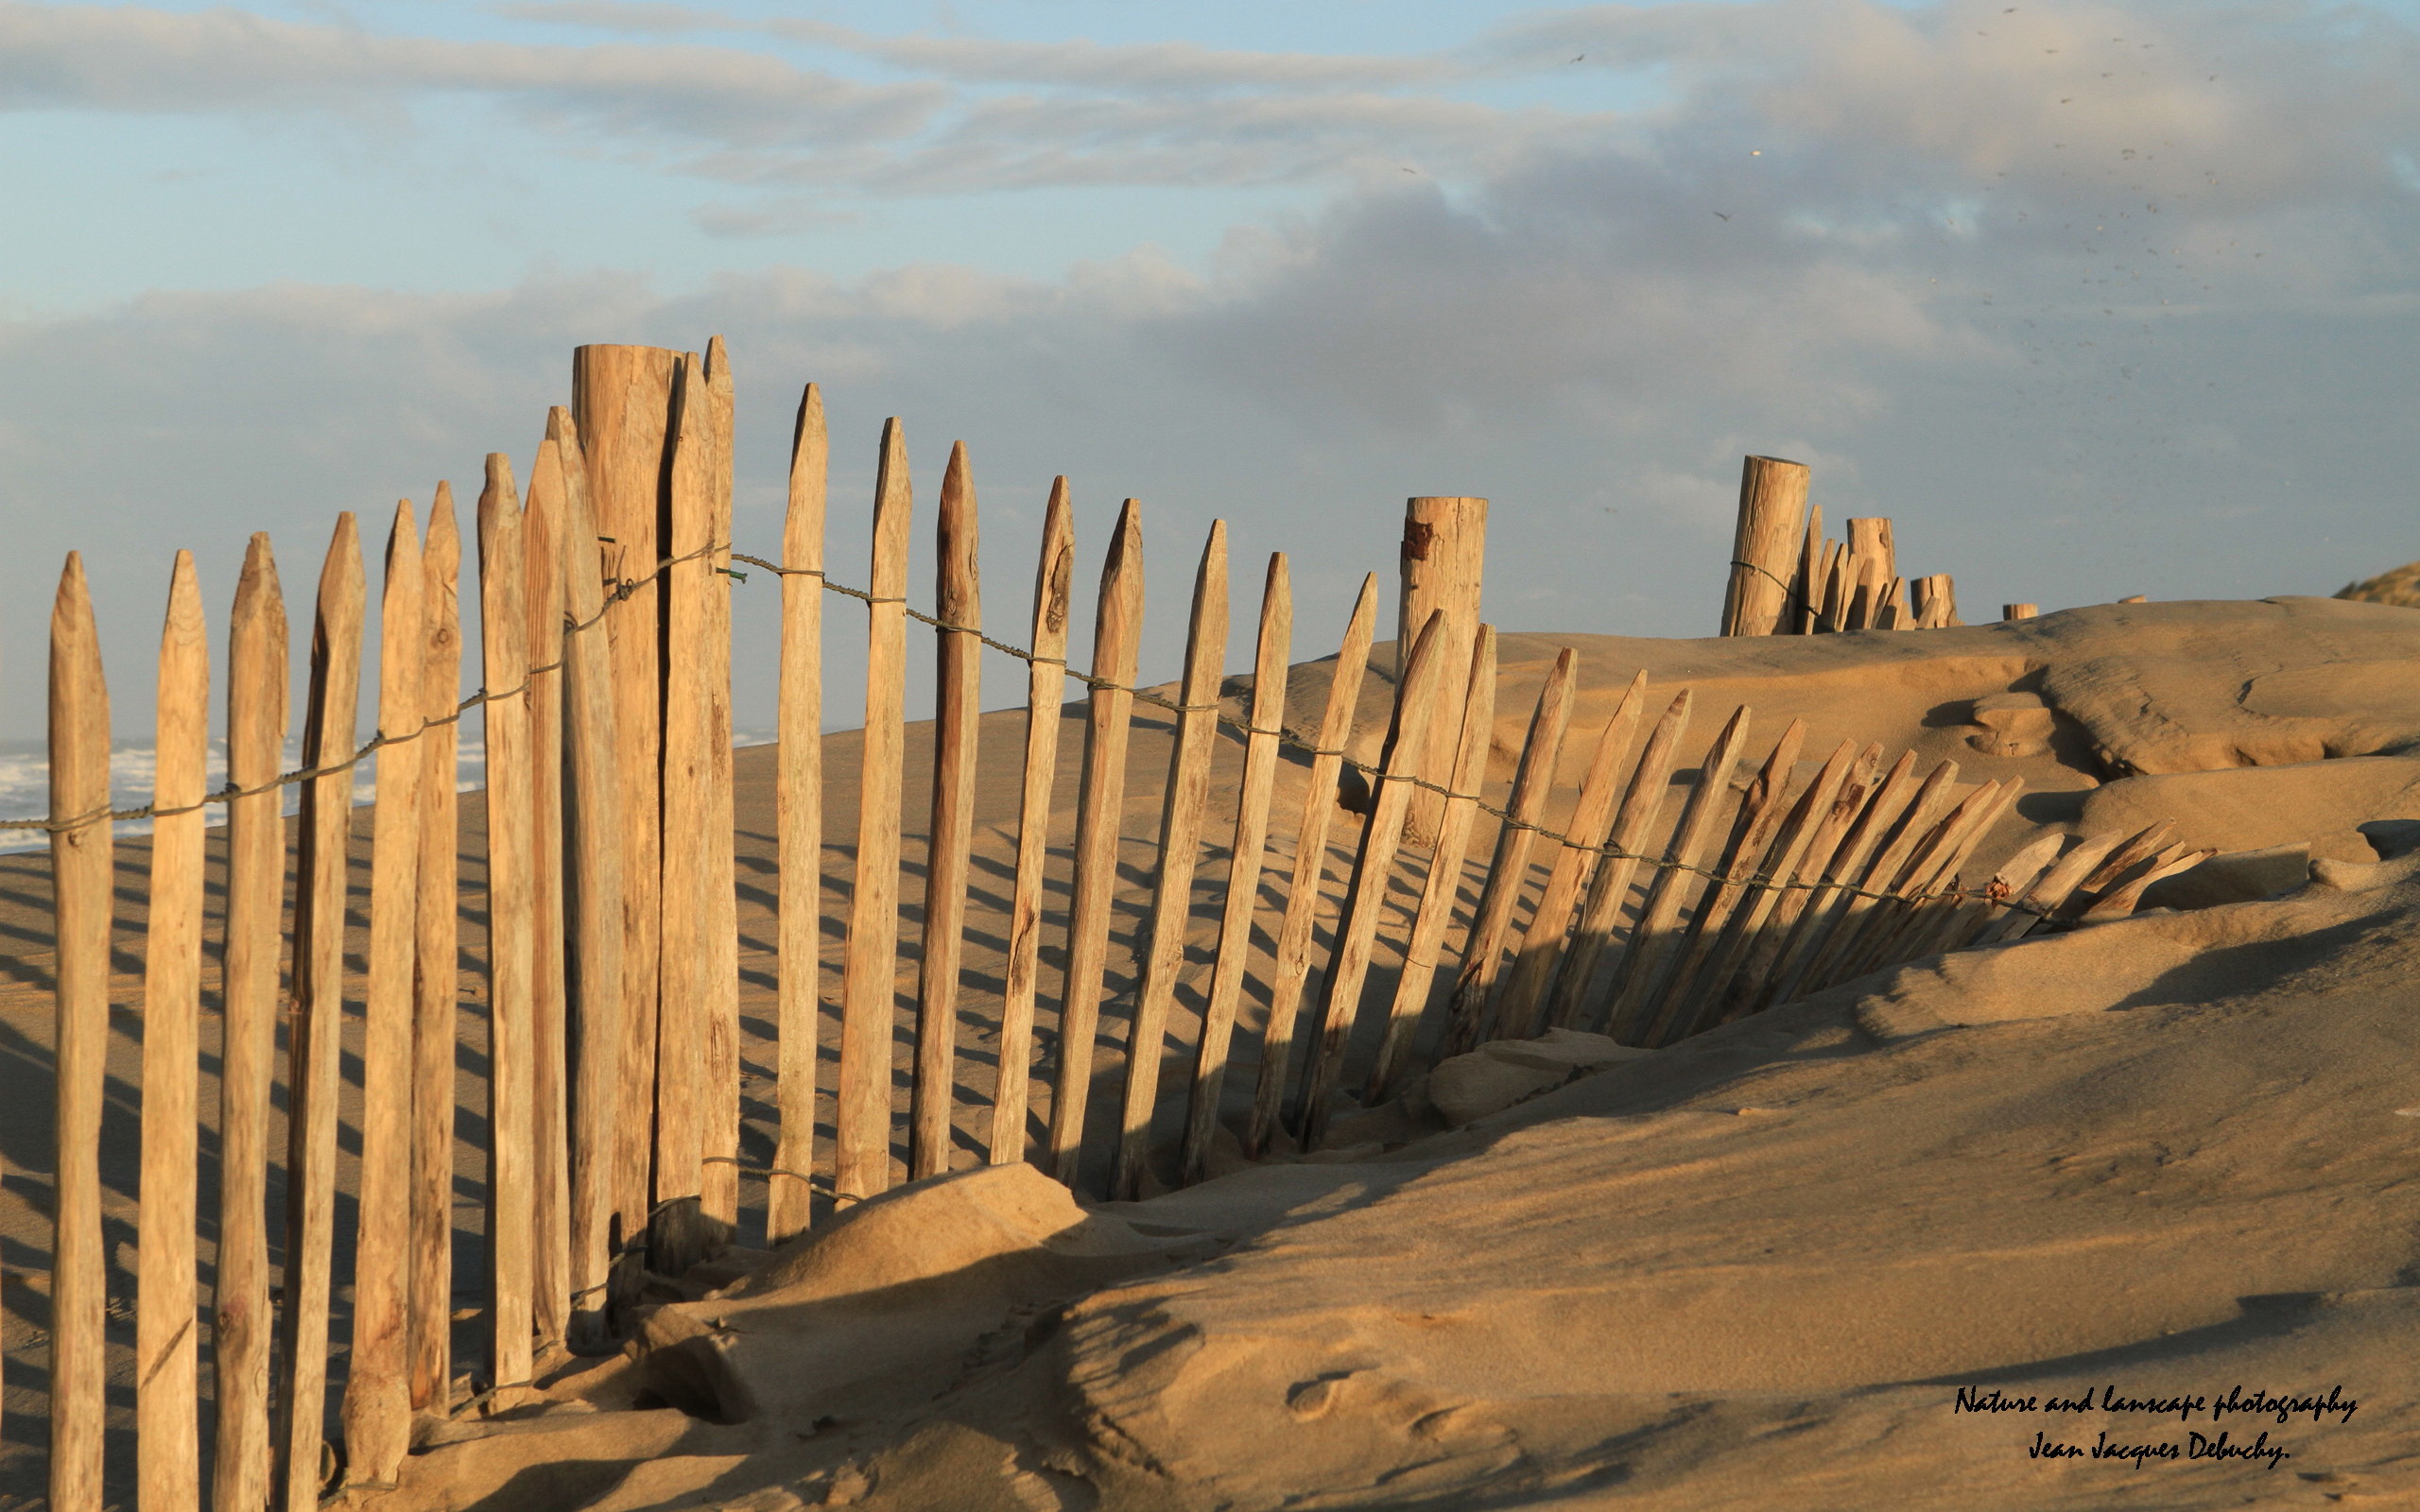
(25, 782)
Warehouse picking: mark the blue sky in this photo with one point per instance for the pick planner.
(2091, 298)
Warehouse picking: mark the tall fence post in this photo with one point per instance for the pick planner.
(1441, 564)
(542, 600)
(256, 723)
(166, 1376)
(314, 1061)
(81, 882)
(437, 974)
(799, 801)
(957, 714)
(1765, 546)
(622, 404)
(719, 1179)
(377, 1390)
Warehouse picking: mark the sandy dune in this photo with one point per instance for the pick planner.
(2169, 1155)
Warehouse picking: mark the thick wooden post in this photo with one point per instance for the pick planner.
(798, 799)
(1293, 965)
(377, 1391)
(592, 899)
(1045, 684)
(1245, 854)
(1116, 634)
(1765, 546)
(2020, 612)
(1442, 565)
(622, 404)
(678, 1235)
(167, 1441)
(958, 709)
(541, 598)
(79, 869)
(1357, 928)
(256, 688)
(314, 1060)
(863, 1116)
(512, 1082)
(1870, 537)
(436, 971)
(1189, 794)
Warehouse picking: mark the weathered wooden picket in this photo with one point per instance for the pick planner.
(614, 1136)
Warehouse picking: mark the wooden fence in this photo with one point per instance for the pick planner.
(612, 1135)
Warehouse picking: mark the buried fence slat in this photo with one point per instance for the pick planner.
(1116, 632)
(168, 1383)
(504, 665)
(378, 1388)
(1440, 894)
(1642, 806)
(1935, 857)
(1180, 815)
(1292, 967)
(1540, 953)
(436, 975)
(1477, 1005)
(1356, 926)
(622, 404)
(1934, 897)
(1652, 940)
(541, 529)
(1762, 809)
(81, 867)
(2009, 885)
(862, 1118)
(720, 1134)
(256, 721)
(1787, 909)
(678, 1233)
(2138, 847)
(315, 1067)
(591, 900)
(1877, 880)
(1046, 685)
(2122, 899)
(799, 801)
(2048, 895)
(1775, 872)
(1843, 872)
(957, 712)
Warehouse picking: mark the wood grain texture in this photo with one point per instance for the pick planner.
(542, 597)
(314, 1061)
(1871, 539)
(1590, 958)
(958, 707)
(1655, 938)
(2055, 887)
(1765, 544)
(1246, 853)
(80, 871)
(622, 404)
(256, 723)
(1539, 954)
(1807, 586)
(1186, 798)
(1442, 565)
(798, 799)
(1752, 981)
(862, 1117)
(719, 1136)
(1117, 627)
(1874, 853)
(1762, 810)
(1293, 968)
(436, 976)
(1046, 685)
(1441, 892)
(593, 981)
(1476, 1013)
(1357, 927)
(377, 1389)
(676, 1240)
(504, 664)
(167, 1441)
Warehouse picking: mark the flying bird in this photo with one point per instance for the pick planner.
(1582, 56)
(1719, 215)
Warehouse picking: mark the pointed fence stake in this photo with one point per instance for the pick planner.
(798, 799)
(957, 720)
(436, 951)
